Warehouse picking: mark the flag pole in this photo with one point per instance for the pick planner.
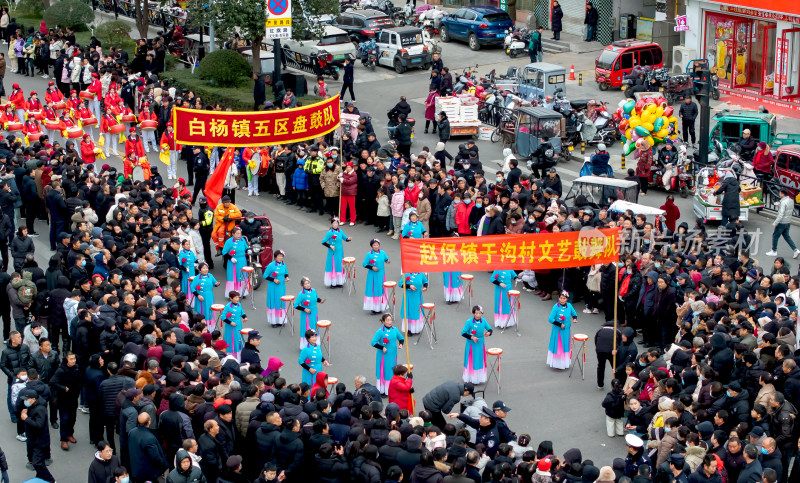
(616, 300)
(341, 162)
(404, 309)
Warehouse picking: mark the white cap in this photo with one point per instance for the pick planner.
(634, 441)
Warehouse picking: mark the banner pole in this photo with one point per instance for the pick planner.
(341, 162)
(616, 300)
(404, 308)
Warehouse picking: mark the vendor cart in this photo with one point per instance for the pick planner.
(462, 112)
(536, 125)
(708, 206)
(599, 190)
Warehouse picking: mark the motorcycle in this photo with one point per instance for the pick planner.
(491, 107)
(368, 51)
(516, 42)
(253, 260)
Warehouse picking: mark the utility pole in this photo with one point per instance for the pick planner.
(705, 114)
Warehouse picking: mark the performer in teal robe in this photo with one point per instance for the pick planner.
(334, 268)
(186, 259)
(235, 250)
(311, 359)
(453, 287)
(411, 308)
(233, 317)
(503, 280)
(561, 318)
(475, 329)
(375, 261)
(203, 291)
(414, 228)
(306, 304)
(385, 341)
(276, 276)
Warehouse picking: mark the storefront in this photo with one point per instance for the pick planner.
(755, 52)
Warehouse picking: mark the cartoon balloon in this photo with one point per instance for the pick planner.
(658, 123)
(642, 131)
(623, 125)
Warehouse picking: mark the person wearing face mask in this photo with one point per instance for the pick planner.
(330, 180)
(34, 414)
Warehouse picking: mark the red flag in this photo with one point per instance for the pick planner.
(216, 181)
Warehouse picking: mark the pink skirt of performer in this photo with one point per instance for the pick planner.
(453, 294)
(376, 304)
(414, 325)
(383, 384)
(276, 316)
(561, 359)
(334, 278)
(475, 376)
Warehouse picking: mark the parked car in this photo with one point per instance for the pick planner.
(403, 48)
(478, 26)
(335, 44)
(617, 60)
(363, 25)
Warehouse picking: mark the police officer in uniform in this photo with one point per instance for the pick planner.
(313, 166)
(201, 165)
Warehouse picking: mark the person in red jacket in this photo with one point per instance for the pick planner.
(349, 191)
(400, 389)
(168, 139)
(129, 162)
(110, 140)
(74, 102)
(33, 105)
(762, 161)
(95, 88)
(134, 144)
(148, 135)
(52, 95)
(17, 98)
(84, 115)
(180, 190)
(673, 213)
(9, 115)
(462, 215)
(87, 149)
(33, 131)
(49, 114)
(411, 193)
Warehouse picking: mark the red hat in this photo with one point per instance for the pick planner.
(94, 74)
(15, 85)
(85, 135)
(219, 402)
(133, 129)
(169, 124)
(73, 91)
(33, 93)
(544, 464)
(146, 104)
(51, 83)
(182, 181)
(349, 164)
(220, 344)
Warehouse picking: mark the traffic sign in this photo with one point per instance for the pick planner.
(279, 22)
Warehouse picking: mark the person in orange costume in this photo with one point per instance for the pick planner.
(224, 214)
(128, 163)
(134, 144)
(87, 149)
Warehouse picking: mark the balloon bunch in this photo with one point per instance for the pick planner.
(645, 123)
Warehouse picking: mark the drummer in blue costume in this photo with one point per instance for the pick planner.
(203, 291)
(375, 261)
(186, 259)
(561, 319)
(411, 308)
(502, 279)
(386, 340)
(334, 269)
(475, 330)
(311, 358)
(233, 317)
(235, 250)
(414, 228)
(306, 303)
(276, 276)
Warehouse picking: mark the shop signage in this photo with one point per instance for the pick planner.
(644, 29)
(681, 24)
(781, 59)
(752, 12)
(503, 5)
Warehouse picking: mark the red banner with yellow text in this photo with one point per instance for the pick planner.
(218, 128)
(536, 251)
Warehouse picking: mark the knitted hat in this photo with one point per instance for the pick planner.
(544, 465)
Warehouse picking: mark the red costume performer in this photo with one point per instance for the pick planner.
(87, 149)
(134, 144)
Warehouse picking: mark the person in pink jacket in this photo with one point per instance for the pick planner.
(349, 189)
(397, 204)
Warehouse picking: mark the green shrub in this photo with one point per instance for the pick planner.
(113, 33)
(170, 61)
(224, 68)
(29, 8)
(69, 13)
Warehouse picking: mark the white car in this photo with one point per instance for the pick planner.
(304, 54)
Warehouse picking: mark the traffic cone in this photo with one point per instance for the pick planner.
(572, 72)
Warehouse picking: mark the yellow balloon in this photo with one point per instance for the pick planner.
(650, 140)
(659, 111)
(648, 126)
(651, 108)
(674, 136)
(628, 133)
(672, 119)
(633, 122)
(662, 133)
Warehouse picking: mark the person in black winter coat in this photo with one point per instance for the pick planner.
(614, 405)
(31, 200)
(446, 87)
(347, 79)
(146, 451)
(721, 357)
(556, 14)
(109, 389)
(67, 383)
(605, 348)
(590, 20)
(15, 356)
(103, 465)
(211, 451)
(34, 415)
(408, 458)
(174, 426)
(259, 91)
(266, 437)
(288, 454)
(330, 465)
(59, 213)
(730, 189)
